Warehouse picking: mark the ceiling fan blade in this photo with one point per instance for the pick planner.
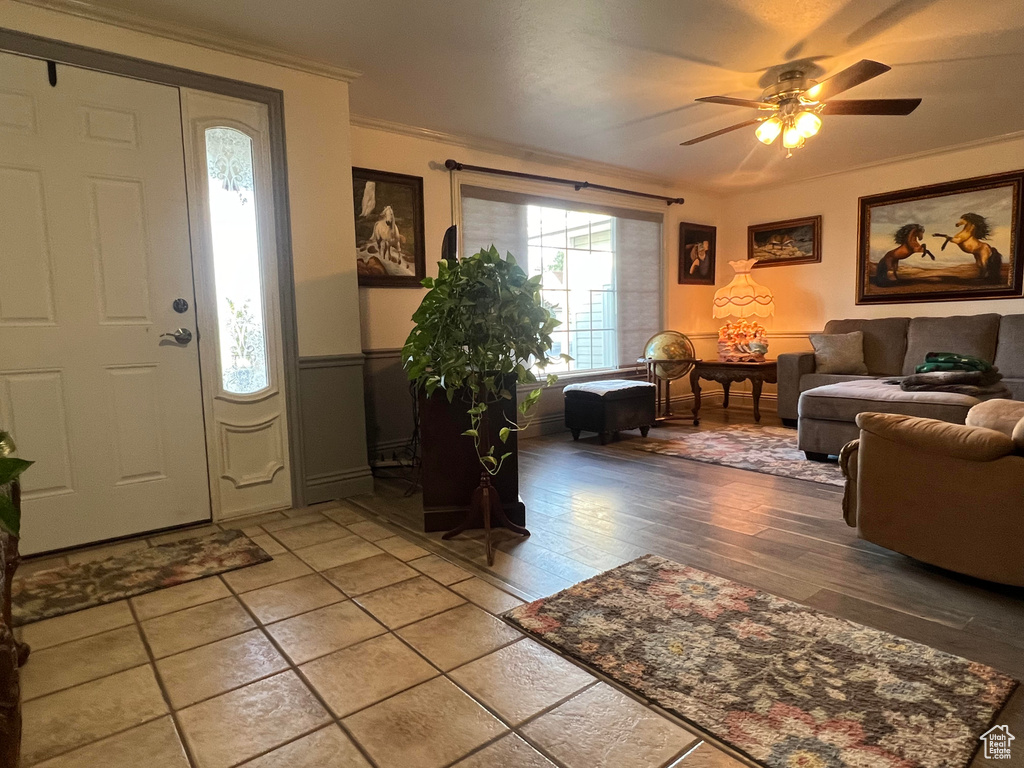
(731, 102)
(713, 134)
(861, 72)
(871, 106)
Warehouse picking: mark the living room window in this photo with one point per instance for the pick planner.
(601, 269)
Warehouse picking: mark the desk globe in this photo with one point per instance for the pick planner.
(670, 345)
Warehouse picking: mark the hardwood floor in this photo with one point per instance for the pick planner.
(592, 507)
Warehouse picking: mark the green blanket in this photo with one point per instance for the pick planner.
(950, 361)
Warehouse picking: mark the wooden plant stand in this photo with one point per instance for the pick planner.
(486, 504)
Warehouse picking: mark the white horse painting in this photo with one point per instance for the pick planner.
(386, 236)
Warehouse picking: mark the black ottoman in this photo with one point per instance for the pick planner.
(608, 406)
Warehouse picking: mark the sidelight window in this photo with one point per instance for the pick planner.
(236, 259)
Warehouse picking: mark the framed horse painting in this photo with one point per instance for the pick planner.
(955, 241)
(390, 250)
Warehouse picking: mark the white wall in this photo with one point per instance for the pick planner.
(319, 175)
(807, 296)
(387, 312)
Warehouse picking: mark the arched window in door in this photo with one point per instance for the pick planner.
(236, 260)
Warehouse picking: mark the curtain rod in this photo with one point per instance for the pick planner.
(453, 165)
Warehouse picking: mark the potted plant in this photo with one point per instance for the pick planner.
(11, 468)
(480, 330)
(13, 654)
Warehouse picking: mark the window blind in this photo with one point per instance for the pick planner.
(602, 267)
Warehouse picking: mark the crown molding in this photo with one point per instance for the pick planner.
(197, 37)
(521, 152)
(888, 162)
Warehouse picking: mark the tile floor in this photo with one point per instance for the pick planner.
(354, 647)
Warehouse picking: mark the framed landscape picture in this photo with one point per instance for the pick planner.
(697, 248)
(795, 241)
(390, 251)
(945, 242)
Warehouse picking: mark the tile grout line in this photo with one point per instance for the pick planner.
(163, 689)
(309, 686)
(446, 555)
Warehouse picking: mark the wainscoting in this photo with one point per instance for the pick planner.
(389, 406)
(331, 402)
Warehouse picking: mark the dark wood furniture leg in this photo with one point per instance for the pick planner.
(756, 383)
(695, 386)
(725, 388)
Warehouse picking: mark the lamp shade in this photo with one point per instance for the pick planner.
(742, 297)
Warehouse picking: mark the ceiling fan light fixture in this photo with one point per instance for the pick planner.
(769, 130)
(791, 138)
(807, 124)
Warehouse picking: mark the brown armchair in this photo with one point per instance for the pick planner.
(947, 494)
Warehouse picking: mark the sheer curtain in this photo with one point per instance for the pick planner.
(602, 267)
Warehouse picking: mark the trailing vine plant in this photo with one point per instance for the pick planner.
(10, 469)
(480, 329)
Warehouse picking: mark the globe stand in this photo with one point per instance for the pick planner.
(668, 356)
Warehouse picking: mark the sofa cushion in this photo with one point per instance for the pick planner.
(812, 380)
(885, 342)
(843, 401)
(1016, 387)
(839, 353)
(1010, 351)
(963, 334)
(1006, 416)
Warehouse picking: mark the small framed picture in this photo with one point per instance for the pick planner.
(390, 250)
(796, 241)
(696, 254)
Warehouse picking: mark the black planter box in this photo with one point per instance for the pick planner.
(451, 469)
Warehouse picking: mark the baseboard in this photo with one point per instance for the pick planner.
(338, 485)
(384, 448)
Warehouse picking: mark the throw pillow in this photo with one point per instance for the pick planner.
(839, 353)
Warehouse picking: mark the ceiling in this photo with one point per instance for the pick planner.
(614, 80)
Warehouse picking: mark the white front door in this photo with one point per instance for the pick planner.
(95, 270)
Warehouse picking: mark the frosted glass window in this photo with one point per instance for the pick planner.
(236, 261)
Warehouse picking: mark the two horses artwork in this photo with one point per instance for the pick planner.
(974, 229)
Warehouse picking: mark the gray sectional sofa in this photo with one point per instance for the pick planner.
(825, 406)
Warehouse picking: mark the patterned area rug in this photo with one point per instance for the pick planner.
(55, 592)
(783, 684)
(769, 450)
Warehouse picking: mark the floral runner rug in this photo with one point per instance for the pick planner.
(55, 592)
(769, 450)
(781, 683)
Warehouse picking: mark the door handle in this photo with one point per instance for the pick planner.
(183, 336)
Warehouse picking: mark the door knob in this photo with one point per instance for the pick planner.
(183, 336)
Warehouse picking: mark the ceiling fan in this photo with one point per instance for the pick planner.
(793, 105)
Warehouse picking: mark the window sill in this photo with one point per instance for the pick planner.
(580, 377)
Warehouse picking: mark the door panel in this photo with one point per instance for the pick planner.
(227, 146)
(94, 249)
